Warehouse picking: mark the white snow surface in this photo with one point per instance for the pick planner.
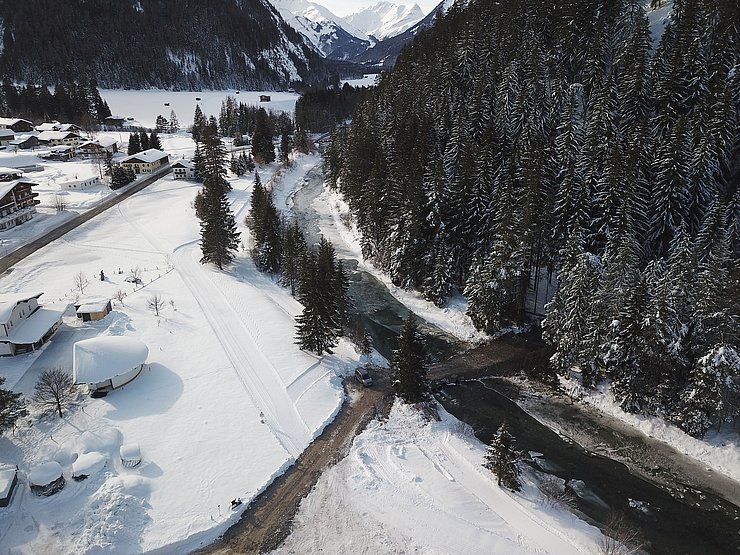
(413, 486)
(384, 19)
(658, 19)
(100, 358)
(88, 463)
(226, 403)
(45, 473)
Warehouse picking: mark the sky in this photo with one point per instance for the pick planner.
(346, 7)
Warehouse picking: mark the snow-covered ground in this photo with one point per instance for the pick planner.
(717, 450)
(413, 486)
(145, 105)
(369, 80)
(227, 402)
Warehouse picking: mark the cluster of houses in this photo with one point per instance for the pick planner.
(103, 364)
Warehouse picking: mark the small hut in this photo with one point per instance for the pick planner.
(46, 479)
(8, 482)
(93, 309)
(130, 455)
(107, 363)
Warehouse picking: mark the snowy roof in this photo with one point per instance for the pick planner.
(8, 301)
(48, 126)
(56, 135)
(11, 121)
(146, 156)
(45, 473)
(7, 133)
(99, 142)
(7, 475)
(10, 171)
(100, 358)
(87, 463)
(184, 164)
(130, 451)
(6, 187)
(32, 329)
(93, 305)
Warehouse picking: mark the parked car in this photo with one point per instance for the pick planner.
(362, 375)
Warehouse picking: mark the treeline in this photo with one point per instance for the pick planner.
(184, 44)
(76, 102)
(515, 141)
(319, 110)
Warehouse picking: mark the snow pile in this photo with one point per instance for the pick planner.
(45, 473)
(88, 463)
(100, 358)
(411, 486)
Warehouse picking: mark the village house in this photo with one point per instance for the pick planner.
(56, 126)
(24, 142)
(183, 169)
(114, 121)
(10, 174)
(24, 324)
(56, 138)
(60, 153)
(16, 124)
(80, 184)
(6, 136)
(96, 150)
(147, 161)
(17, 202)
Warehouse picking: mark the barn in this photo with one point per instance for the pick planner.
(107, 363)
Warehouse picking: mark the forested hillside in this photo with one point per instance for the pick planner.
(516, 139)
(186, 44)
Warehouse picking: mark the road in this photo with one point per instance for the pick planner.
(8, 261)
(267, 522)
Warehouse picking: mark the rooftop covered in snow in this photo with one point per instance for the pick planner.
(146, 156)
(101, 358)
(8, 301)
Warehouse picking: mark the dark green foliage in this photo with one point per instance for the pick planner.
(12, 407)
(501, 459)
(517, 142)
(266, 226)
(199, 122)
(219, 236)
(134, 144)
(409, 377)
(121, 177)
(286, 146)
(75, 102)
(144, 140)
(154, 141)
(294, 250)
(318, 110)
(145, 44)
(323, 294)
(263, 150)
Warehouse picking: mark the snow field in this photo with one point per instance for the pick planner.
(412, 486)
(227, 403)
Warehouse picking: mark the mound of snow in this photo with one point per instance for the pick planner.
(45, 473)
(88, 463)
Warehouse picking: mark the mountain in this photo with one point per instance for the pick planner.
(186, 44)
(385, 52)
(322, 29)
(384, 19)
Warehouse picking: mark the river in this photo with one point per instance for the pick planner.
(672, 519)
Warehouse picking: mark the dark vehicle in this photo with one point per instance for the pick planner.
(363, 376)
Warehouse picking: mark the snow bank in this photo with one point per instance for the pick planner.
(88, 463)
(45, 473)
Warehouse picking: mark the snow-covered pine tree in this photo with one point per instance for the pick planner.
(501, 458)
(409, 373)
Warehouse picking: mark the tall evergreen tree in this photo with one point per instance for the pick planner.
(134, 144)
(409, 372)
(501, 459)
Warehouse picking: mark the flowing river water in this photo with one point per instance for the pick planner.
(672, 519)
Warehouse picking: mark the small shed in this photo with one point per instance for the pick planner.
(79, 184)
(87, 464)
(107, 363)
(46, 479)
(8, 482)
(93, 309)
(130, 455)
(265, 98)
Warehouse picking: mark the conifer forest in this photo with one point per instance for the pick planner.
(523, 149)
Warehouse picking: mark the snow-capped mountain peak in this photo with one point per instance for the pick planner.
(384, 19)
(326, 32)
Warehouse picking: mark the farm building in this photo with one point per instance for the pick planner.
(24, 142)
(16, 124)
(265, 98)
(8, 482)
(92, 310)
(107, 363)
(147, 161)
(56, 138)
(98, 149)
(24, 324)
(6, 136)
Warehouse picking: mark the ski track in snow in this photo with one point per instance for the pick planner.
(239, 338)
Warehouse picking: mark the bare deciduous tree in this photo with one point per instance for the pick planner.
(59, 203)
(155, 303)
(120, 295)
(134, 275)
(80, 282)
(55, 389)
(620, 537)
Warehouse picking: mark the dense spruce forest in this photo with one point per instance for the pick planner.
(187, 44)
(318, 110)
(515, 141)
(78, 103)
